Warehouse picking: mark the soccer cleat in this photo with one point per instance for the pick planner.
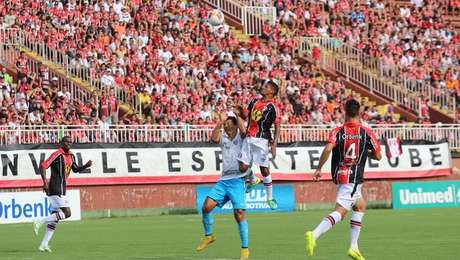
(37, 225)
(45, 249)
(244, 254)
(251, 185)
(355, 254)
(311, 243)
(273, 204)
(205, 242)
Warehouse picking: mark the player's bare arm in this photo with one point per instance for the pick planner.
(217, 131)
(322, 160)
(76, 168)
(45, 182)
(240, 122)
(375, 155)
(274, 143)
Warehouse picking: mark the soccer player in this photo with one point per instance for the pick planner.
(61, 162)
(262, 114)
(231, 186)
(350, 145)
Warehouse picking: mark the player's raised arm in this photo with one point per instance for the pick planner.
(217, 131)
(240, 122)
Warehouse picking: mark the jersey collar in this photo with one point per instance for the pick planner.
(352, 124)
(63, 152)
(271, 100)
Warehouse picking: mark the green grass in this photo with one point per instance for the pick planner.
(387, 234)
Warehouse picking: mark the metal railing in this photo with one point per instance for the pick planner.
(88, 80)
(390, 73)
(351, 71)
(9, 55)
(202, 133)
(254, 18)
(251, 17)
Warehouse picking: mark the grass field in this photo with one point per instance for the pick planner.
(387, 234)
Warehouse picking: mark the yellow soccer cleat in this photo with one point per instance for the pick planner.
(244, 254)
(311, 243)
(251, 186)
(355, 254)
(205, 242)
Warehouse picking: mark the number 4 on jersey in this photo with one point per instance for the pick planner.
(351, 152)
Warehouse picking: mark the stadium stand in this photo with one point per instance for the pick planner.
(416, 42)
(181, 67)
(178, 68)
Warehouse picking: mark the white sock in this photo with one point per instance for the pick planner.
(328, 222)
(268, 187)
(54, 217)
(48, 233)
(355, 228)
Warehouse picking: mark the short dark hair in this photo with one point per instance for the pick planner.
(233, 119)
(274, 86)
(66, 138)
(352, 108)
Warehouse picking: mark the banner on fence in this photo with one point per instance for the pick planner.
(201, 162)
(18, 207)
(435, 194)
(256, 200)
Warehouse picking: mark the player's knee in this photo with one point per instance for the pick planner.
(67, 213)
(206, 209)
(264, 171)
(341, 210)
(239, 215)
(360, 207)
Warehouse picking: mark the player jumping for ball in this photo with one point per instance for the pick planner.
(350, 145)
(61, 162)
(262, 114)
(231, 186)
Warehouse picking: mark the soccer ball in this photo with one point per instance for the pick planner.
(216, 17)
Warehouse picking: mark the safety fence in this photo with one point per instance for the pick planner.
(202, 133)
(80, 79)
(251, 14)
(254, 18)
(10, 54)
(330, 60)
(389, 72)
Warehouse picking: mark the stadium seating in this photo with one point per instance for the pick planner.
(420, 43)
(182, 68)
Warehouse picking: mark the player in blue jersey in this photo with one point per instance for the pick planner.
(231, 186)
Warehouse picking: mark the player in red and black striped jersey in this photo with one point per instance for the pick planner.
(350, 145)
(61, 162)
(262, 114)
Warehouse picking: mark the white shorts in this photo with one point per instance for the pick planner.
(58, 202)
(344, 197)
(254, 150)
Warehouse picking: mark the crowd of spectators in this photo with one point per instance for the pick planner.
(30, 99)
(182, 67)
(413, 38)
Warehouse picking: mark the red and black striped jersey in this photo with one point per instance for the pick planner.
(61, 163)
(262, 115)
(351, 143)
